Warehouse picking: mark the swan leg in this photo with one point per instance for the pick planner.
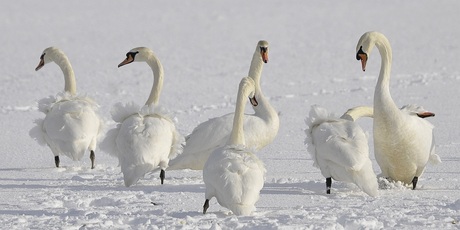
(56, 161)
(92, 157)
(205, 206)
(414, 182)
(162, 175)
(328, 185)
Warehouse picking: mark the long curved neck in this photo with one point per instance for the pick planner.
(157, 69)
(237, 135)
(382, 94)
(69, 77)
(255, 70)
(357, 112)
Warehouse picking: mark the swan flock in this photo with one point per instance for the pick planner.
(146, 139)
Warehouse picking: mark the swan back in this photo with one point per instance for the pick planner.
(339, 149)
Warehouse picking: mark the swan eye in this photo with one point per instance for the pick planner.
(263, 49)
(131, 54)
(360, 52)
(42, 56)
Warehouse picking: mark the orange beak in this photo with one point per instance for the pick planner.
(40, 64)
(253, 101)
(128, 60)
(363, 58)
(425, 114)
(264, 55)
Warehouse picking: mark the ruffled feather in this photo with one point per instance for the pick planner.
(316, 116)
(45, 105)
(120, 112)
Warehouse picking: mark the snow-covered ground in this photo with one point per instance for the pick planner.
(206, 47)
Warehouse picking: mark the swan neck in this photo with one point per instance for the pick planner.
(355, 113)
(385, 67)
(69, 77)
(237, 135)
(157, 69)
(255, 70)
(382, 96)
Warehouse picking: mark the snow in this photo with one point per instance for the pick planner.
(206, 47)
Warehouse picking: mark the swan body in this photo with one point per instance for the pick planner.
(233, 173)
(260, 128)
(71, 125)
(403, 143)
(339, 148)
(145, 137)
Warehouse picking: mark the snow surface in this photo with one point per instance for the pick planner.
(206, 47)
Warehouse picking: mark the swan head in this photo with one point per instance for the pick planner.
(139, 54)
(365, 45)
(262, 49)
(48, 56)
(248, 88)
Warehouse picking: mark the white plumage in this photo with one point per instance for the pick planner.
(403, 142)
(145, 137)
(71, 125)
(233, 173)
(260, 128)
(339, 148)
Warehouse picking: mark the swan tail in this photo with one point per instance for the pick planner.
(435, 159)
(109, 144)
(242, 209)
(366, 180)
(133, 173)
(177, 144)
(185, 161)
(37, 132)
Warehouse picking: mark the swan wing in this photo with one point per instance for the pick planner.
(341, 142)
(203, 140)
(215, 133)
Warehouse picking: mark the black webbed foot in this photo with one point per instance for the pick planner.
(328, 185)
(162, 176)
(92, 157)
(56, 161)
(414, 182)
(205, 206)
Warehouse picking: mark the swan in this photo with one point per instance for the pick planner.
(339, 148)
(71, 125)
(260, 128)
(145, 137)
(233, 173)
(403, 143)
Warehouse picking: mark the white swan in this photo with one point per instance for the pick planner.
(145, 138)
(71, 125)
(339, 148)
(233, 173)
(403, 143)
(260, 128)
